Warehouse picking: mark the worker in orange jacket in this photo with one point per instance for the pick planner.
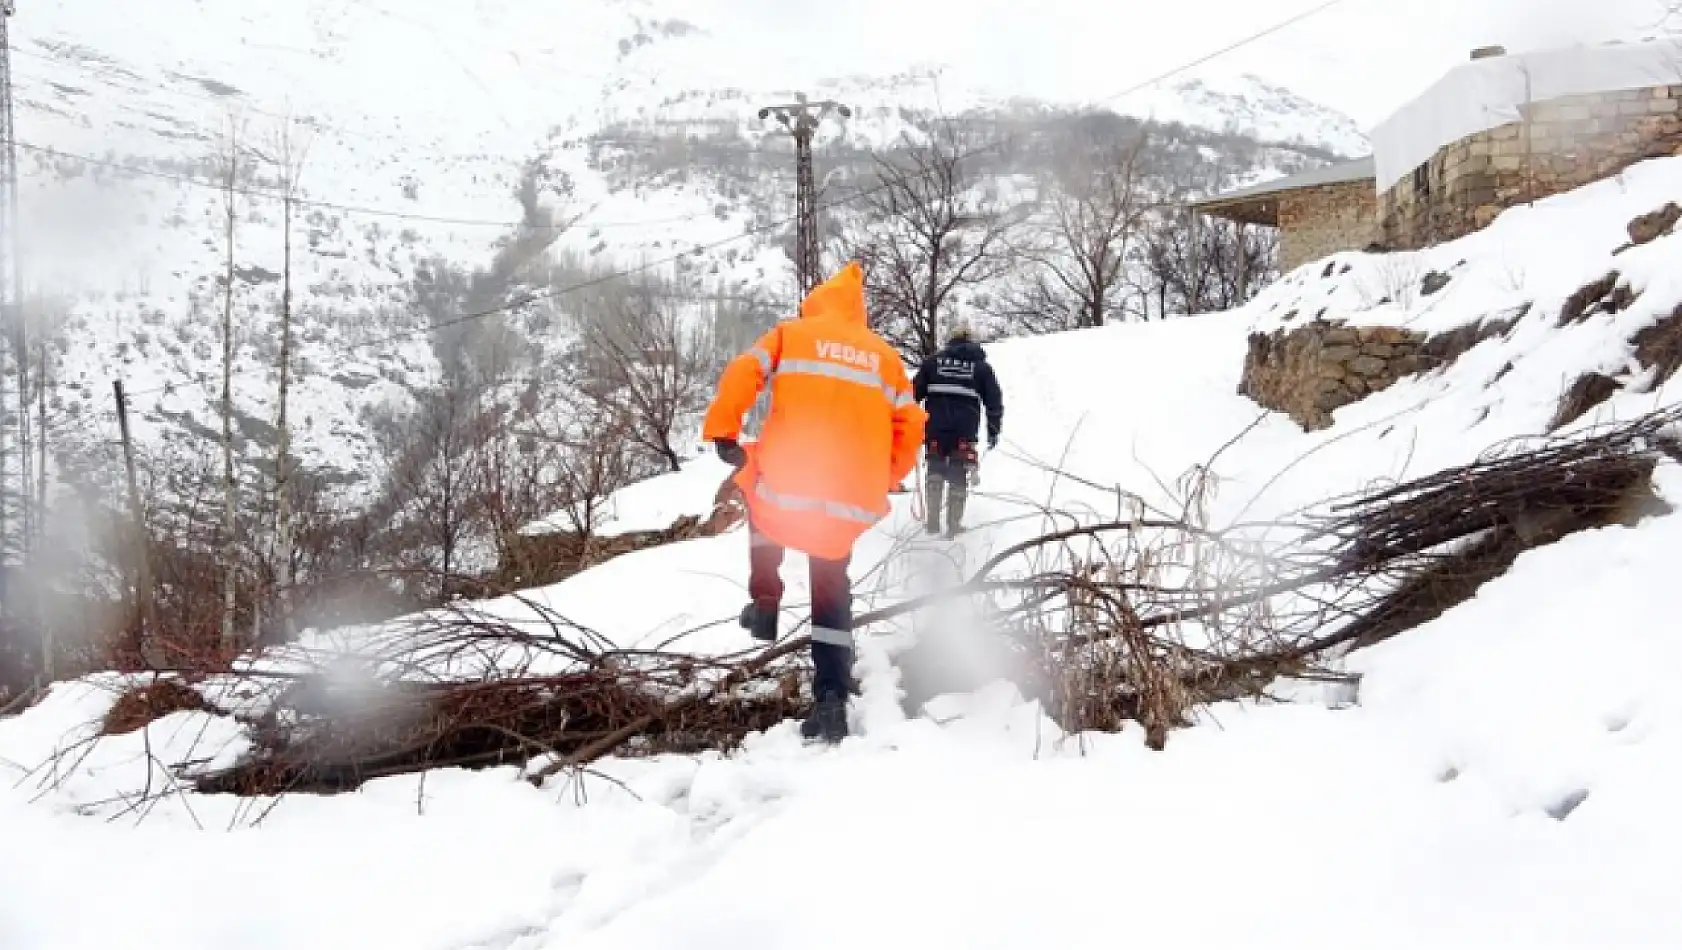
(844, 428)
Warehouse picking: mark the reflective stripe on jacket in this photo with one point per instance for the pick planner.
(843, 429)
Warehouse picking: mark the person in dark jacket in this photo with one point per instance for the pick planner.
(957, 388)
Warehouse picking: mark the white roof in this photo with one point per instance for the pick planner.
(1359, 169)
(1481, 94)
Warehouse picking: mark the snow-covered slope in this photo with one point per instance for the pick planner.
(1506, 778)
(652, 504)
(425, 120)
(1249, 105)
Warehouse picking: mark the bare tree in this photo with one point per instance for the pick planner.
(433, 484)
(736, 323)
(15, 325)
(591, 456)
(929, 230)
(515, 465)
(43, 372)
(647, 365)
(1194, 265)
(1095, 211)
(1191, 263)
(290, 150)
(39, 379)
(516, 480)
(231, 169)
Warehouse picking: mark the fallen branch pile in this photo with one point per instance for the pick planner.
(473, 725)
(1438, 539)
(1139, 618)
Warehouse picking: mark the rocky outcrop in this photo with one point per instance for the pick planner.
(1658, 347)
(1658, 351)
(1583, 395)
(535, 560)
(1654, 224)
(1309, 371)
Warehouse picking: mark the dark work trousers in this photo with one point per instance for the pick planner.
(832, 610)
(946, 485)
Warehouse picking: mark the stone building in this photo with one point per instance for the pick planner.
(1496, 131)
(1317, 212)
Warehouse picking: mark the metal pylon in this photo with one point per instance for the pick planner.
(801, 119)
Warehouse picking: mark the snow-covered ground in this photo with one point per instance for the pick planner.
(1506, 778)
(654, 503)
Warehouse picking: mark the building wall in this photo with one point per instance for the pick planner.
(1314, 222)
(1562, 144)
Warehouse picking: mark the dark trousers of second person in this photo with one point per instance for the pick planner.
(946, 487)
(832, 610)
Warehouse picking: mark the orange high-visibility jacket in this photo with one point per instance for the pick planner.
(844, 427)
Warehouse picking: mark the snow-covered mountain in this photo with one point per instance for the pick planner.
(1248, 105)
(433, 130)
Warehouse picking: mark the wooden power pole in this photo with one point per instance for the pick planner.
(801, 118)
(143, 590)
(14, 479)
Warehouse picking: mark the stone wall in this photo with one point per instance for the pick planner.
(1560, 144)
(1311, 370)
(1315, 222)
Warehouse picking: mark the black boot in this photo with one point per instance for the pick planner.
(832, 677)
(760, 622)
(933, 488)
(955, 511)
(828, 721)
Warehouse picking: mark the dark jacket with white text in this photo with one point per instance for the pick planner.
(957, 387)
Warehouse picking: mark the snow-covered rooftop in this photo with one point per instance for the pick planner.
(1361, 169)
(1482, 94)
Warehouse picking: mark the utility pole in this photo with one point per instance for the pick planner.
(14, 453)
(143, 591)
(801, 118)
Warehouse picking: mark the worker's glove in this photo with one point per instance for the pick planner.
(731, 452)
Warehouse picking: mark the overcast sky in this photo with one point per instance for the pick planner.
(1365, 57)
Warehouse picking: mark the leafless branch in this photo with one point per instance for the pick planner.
(930, 231)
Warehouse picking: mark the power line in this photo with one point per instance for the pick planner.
(837, 202)
(581, 221)
(481, 222)
(240, 103)
(319, 125)
(201, 378)
(699, 298)
(278, 196)
(863, 193)
(1262, 34)
(239, 99)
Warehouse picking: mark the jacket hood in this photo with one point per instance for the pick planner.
(965, 350)
(841, 297)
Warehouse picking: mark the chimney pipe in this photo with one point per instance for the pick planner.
(1489, 52)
